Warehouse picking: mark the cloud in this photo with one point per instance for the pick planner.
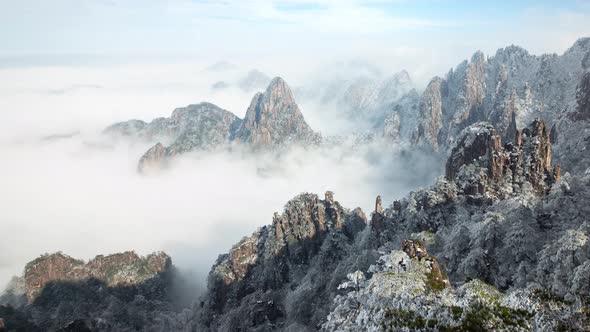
(78, 193)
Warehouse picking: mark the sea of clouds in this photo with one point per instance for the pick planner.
(65, 187)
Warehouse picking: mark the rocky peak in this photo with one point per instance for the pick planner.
(152, 159)
(122, 269)
(431, 114)
(278, 92)
(476, 142)
(378, 219)
(414, 249)
(277, 255)
(273, 118)
(482, 167)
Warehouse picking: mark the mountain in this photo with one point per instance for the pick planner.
(512, 82)
(364, 97)
(501, 220)
(273, 120)
(118, 292)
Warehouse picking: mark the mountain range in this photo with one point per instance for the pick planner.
(272, 120)
(500, 242)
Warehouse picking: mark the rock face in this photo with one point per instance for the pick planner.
(484, 168)
(118, 292)
(431, 114)
(248, 286)
(583, 99)
(122, 269)
(204, 121)
(508, 89)
(153, 159)
(274, 118)
(496, 221)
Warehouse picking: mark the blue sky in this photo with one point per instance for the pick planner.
(281, 29)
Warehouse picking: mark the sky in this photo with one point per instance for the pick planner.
(426, 36)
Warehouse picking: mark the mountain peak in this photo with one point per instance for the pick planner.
(278, 89)
(118, 269)
(274, 118)
(478, 57)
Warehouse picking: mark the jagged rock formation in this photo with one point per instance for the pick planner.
(505, 245)
(249, 286)
(431, 114)
(484, 169)
(201, 125)
(123, 269)
(119, 292)
(508, 89)
(273, 118)
(153, 159)
(509, 231)
(401, 119)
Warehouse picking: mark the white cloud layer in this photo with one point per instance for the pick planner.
(82, 196)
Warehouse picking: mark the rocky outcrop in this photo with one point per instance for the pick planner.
(483, 167)
(118, 292)
(583, 99)
(273, 118)
(378, 219)
(508, 89)
(415, 249)
(205, 119)
(153, 159)
(431, 114)
(261, 268)
(122, 269)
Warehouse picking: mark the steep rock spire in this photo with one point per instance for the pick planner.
(273, 118)
(484, 169)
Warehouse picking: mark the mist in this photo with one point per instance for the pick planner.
(65, 187)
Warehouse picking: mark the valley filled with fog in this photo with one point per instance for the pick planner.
(66, 187)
